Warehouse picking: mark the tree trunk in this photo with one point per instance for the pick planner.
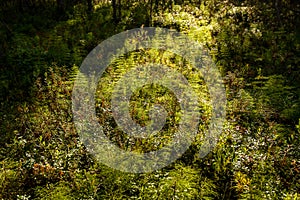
(114, 11)
(61, 6)
(90, 5)
(119, 10)
(151, 12)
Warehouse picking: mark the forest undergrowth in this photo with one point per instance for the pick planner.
(255, 46)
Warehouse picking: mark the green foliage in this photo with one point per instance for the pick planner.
(255, 44)
(277, 95)
(143, 99)
(179, 183)
(55, 191)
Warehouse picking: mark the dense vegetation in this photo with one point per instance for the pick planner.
(256, 46)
